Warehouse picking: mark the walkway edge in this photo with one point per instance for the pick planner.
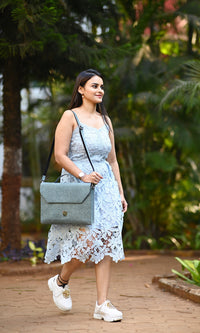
(178, 288)
(53, 268)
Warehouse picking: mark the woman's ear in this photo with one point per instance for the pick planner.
(80, 90)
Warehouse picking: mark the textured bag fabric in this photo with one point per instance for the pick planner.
(67, 203)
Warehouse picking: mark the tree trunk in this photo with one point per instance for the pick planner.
(12, 167)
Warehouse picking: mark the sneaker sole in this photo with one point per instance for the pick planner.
(51, 289)
(106, 318)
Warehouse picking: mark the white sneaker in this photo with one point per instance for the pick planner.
(61, 296)
(107, 312)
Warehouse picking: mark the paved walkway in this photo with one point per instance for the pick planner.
(26, 303)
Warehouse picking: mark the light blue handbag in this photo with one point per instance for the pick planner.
(67, 203)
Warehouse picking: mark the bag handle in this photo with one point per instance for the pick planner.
(52, 147)
(48, 161)
(81, 135)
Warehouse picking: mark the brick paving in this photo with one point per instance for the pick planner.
(26, 303)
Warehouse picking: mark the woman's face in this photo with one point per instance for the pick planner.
(93, 90)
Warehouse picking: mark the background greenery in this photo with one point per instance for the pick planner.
(148, 52)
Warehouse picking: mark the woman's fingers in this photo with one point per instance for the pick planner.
(96, 177)
(93, 177)
(125, 207)
(124, 204)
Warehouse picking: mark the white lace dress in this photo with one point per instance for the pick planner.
(103, 237)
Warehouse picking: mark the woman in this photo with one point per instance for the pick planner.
(102, 241)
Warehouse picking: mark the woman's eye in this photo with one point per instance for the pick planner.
(95, 86)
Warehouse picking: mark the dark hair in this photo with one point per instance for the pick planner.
(81, 80)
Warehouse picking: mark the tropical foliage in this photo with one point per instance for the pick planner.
(193, 267)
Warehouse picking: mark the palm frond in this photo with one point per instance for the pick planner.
(193, 69)
(188, 88)
(181, 88)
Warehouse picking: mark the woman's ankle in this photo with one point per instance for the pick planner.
(101, 301)
(61, 282)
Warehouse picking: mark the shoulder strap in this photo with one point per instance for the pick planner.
(82, 138)
(52, 147)
(48, 161)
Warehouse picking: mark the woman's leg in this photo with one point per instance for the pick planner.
(67, 270)
(104, 309)
(102, 270)
(59, 285)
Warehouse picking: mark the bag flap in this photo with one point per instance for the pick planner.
(65, 192)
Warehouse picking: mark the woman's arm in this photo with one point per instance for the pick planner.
(112, 160)
(63, 136)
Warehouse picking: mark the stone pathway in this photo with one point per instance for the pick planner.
(26, 303)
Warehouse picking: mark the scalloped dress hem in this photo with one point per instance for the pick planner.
(94, 260)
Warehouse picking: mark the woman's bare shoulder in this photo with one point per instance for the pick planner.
(66, 121)
(68, 114)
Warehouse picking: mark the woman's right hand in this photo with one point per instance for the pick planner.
(93, 178)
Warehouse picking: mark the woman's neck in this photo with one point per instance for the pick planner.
(88, 107)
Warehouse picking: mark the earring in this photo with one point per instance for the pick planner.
(82, 95)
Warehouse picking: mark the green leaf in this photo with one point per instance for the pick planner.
(185, 265)
(182, 276)
(31, 245)
(38, 249)
(191, 266)
(40, 255)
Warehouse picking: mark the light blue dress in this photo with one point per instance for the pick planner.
(104, 236)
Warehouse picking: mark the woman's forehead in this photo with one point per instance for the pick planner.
(96, 79)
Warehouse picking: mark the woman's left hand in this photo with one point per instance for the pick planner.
(124, 204)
